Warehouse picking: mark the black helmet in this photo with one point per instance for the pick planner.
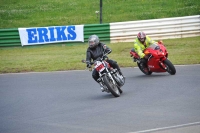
(141, 36)
(93, 41)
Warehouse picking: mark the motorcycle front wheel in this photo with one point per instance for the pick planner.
(111, 87)
(170, 67)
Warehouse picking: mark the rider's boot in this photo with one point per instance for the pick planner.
(102, 88)
(144, 67)
(101, 85)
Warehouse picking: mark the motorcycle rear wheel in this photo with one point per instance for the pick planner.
(147, 72)
(111, 87)
(170, 67)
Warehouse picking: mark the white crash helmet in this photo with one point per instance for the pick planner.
(93, 41)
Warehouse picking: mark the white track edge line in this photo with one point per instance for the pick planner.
(77, 70)
(165, 128)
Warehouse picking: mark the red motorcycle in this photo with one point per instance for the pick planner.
(157, 60)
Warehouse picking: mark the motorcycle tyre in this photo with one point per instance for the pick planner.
(120, 90)
(170, 67)
(146, 73)
(109, 85)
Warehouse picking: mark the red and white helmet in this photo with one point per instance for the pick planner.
(141, 36)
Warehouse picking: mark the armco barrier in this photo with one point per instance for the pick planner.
(102, 30)
(9, 37)
(167, 28)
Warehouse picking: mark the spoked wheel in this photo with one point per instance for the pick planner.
(144, 70)
(170, 67)
(111, 87)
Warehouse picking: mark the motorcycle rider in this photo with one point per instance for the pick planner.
(95, 51)
(140, 43)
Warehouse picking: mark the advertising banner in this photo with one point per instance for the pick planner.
(52, 34)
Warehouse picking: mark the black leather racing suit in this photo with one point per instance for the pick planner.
(97, 52)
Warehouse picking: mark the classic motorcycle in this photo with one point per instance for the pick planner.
(109, 77)
(157, 59)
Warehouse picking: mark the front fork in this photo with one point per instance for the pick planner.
(162, 64)
(109, 75)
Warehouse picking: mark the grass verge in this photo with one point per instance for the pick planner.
(68, 57)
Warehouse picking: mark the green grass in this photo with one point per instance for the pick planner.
(30, 13)
(61, 57)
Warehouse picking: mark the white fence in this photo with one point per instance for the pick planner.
(167, 28)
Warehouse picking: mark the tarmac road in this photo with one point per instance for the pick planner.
(71, 102)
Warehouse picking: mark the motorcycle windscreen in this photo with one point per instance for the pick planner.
(154, 46)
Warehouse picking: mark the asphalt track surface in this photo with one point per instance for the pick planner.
(71, 102)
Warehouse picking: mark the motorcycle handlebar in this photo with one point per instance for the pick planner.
(84, 61)
(102, 58)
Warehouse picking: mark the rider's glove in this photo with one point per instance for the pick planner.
(146, 57)
(89, 66)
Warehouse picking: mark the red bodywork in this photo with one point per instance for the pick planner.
(156, 56)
